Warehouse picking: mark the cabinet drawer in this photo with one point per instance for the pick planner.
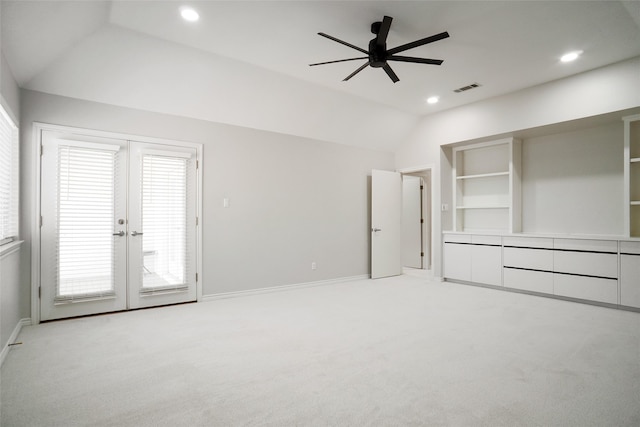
(586, 245)
(588, 263)
(537, 259)
(528, 242)
(589, 288)
(457, 238)
(630, 280)
(457, 261)
(535, 281)
(486, 240)
(486, 264)
(630, 248)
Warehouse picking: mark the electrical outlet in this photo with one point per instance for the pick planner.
(314, 265)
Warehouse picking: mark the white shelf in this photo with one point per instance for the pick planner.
(486, 186)
(631, 175)
(485, 175)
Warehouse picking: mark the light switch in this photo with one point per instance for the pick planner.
(225, 202)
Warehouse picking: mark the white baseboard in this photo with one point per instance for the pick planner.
(12, 338)
(260, 291)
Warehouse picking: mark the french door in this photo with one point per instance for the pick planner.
(118, 225)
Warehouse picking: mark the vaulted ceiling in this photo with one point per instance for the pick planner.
(246, 63)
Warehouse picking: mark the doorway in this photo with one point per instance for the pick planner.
(118, 224)
(389, 228)
(416, 220)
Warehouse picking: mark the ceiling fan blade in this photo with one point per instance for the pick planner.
(417, 43)
(390, 73)
(381, 39)
(344, 43)
(416, 60)
(339, 60)
(356, 72)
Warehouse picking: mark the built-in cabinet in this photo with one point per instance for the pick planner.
(486, 182)
(604, 271)
(473, 258)
(632, 174)
(486, 245)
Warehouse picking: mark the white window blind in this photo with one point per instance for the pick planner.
(164, 223)
(8, 178)
(86, 204)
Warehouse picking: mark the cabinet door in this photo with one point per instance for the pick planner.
(486, 264)
(530, 258)
(630, 280)
(457, 261)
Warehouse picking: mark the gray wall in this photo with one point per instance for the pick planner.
(292, 200)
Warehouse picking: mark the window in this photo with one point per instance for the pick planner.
(8, 178)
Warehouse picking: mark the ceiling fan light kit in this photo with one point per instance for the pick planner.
(378, 55)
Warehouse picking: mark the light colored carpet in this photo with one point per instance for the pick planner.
(391, 352)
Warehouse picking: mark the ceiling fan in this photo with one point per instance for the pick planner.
(378, 55)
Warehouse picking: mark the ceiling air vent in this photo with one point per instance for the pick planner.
(466, 88)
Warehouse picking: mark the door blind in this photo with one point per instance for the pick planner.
(86, 194)
(164, 222)
(8, 178)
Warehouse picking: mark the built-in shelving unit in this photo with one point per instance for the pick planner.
(487, 187)
(632, 174)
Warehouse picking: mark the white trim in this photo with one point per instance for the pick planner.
(12, 338)
(431, 167)
(250, 292)
(37, 129)
(10, 248)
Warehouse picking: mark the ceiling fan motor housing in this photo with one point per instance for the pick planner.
(377, 54)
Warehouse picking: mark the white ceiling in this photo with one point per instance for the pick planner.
(246, 62)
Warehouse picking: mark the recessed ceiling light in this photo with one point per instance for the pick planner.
(189, 14)
(571, 56)
(433, 100)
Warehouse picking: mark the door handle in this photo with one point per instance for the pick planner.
(375, 230)
(135, 233)
(119, 233)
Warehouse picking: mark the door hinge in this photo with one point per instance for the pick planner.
(39, 291)
(40, 221)
(197, 164)
(422, 187)
(196, 220)
(41, 150)
(421, 221)
(421, 253)
(196, 277)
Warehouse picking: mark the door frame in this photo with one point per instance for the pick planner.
(435, 213)
(35, 188)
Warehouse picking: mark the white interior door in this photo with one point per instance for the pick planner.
(162, 224)
(386, 224)
(412, 221)
(118, 225)
(83, 225)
